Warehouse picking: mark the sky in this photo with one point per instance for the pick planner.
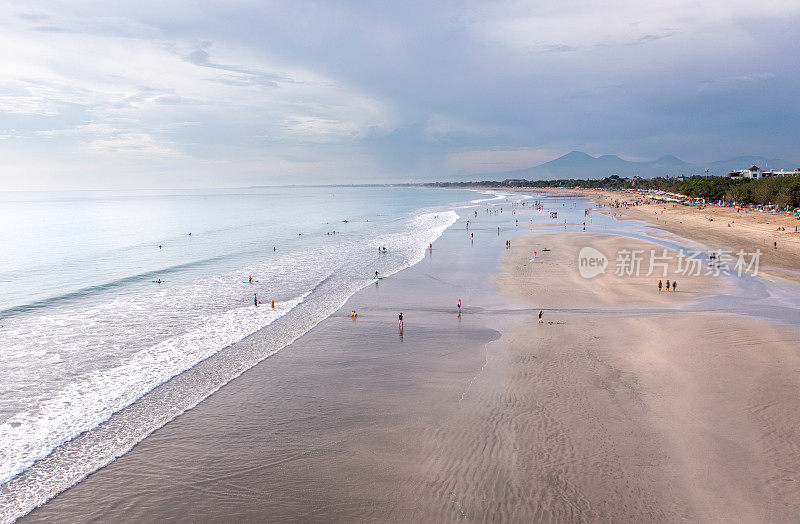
(153, 94)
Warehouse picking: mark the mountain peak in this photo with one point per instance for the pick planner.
(669, 160)
(576, 155)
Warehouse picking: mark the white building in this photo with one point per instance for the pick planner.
(753, 172)
(782, 172)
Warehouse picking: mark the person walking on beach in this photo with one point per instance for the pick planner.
(667, 285)
(659, 286)
(459, 305)
(540, 317)
(400, 320)
(255, 300)
(674, 285)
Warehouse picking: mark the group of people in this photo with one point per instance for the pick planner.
(674, 285)
(257, 302)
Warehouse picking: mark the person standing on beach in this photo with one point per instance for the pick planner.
(459, 305)
(667, 285)
(540, 316)
(400, 320)
(255, 300)
(674, 285)
(659, 285)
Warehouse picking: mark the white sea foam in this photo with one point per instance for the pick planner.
(95, 360)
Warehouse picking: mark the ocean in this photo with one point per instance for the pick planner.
(95, 354)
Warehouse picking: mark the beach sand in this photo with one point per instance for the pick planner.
(714, 226)
(635, 408)
(660, 416)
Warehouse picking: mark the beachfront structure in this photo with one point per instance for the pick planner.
(782, 172)
(755, 173)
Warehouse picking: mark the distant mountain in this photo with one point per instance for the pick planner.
(577, 164)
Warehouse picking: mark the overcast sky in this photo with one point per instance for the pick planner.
(223, 94)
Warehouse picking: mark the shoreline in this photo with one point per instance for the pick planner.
(713, 226)
(613, 414)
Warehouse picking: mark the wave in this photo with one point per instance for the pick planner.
(133, 406)
(107, 286)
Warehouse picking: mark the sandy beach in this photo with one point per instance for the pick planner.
(625, 404)
(716, 227)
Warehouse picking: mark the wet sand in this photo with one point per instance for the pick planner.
(660, 415)
(714, 226)
(636, 408)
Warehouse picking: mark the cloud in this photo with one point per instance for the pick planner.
(387, 92)
(493, 161)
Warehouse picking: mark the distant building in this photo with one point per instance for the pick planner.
(754, 173)
(515, 182)
(781, 172)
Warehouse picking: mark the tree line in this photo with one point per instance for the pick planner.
(782, 191)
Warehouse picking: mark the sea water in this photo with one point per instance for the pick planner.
(86, 330)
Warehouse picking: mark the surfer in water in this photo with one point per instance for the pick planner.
(400, 320)
(250, 279)
(376, 274)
